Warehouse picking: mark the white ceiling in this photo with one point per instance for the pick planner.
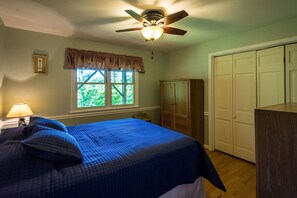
(98, 19)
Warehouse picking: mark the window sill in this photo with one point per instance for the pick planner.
(105, 111)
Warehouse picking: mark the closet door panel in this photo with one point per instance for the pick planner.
(223, 104)
(270, 76)
(223, 136)
(223, 97)
(292, 86)
(268, 83)
(244, 103)
(244, 141)
(291, 73)
(243, 100)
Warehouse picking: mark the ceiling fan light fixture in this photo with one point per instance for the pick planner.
(152, 32)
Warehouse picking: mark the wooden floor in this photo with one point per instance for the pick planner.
(238, 176)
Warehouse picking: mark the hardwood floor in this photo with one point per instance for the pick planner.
(238, 176)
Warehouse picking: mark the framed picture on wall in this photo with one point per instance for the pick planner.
(40, 63)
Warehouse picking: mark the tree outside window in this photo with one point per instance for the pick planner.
(94, 85)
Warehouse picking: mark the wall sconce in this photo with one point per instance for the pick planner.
(152, 32)
(20, 110)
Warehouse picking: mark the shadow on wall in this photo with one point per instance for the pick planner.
(18, 71)
(25, 69)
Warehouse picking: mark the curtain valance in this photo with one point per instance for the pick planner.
(75, 58)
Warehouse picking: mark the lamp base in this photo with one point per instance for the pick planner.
(22, 122)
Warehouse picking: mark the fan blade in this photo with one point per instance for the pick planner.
(171, 30)
(129, 29)
(173, 17)
(137, 17)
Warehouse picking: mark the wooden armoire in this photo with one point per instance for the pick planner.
(182, 107)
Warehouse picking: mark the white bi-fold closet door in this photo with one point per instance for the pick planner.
(270, 76)
(235, 100)
(243, 82)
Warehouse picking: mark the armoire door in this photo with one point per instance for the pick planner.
(167, 106)
(223, 104)
(270, 76)
(182, 122)
(244, 103)
(291, 73)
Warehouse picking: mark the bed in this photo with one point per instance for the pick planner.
(127, 158)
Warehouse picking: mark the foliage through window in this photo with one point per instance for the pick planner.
(102, 88)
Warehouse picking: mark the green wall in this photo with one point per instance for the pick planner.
(192, 62)
(2, 30)
(49, 95)
(1, 105)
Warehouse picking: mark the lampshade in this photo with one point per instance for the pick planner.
(152, 32)
(19, 110)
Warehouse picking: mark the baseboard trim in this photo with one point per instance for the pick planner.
(100, 113)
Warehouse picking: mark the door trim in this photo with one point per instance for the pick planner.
(211, 104)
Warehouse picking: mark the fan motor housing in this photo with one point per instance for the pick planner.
(153, 15)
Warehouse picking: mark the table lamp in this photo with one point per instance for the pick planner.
(20, 110)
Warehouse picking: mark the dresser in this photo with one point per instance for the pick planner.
(182, 107)
(276, 151)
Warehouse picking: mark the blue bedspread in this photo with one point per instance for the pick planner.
(126, 158)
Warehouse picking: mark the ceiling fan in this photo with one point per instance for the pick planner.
(155, 23)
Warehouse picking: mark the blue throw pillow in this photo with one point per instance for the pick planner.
(34, 120)
(51, 144)
(31, 129)
(48, 122)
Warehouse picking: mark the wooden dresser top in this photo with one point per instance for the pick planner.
(286, 107)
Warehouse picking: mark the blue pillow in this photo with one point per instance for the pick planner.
(48, 122)
(51, 144)
(31, 129)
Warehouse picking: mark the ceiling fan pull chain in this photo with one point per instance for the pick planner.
(152, 55)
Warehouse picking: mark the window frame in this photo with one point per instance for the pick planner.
(108, 106)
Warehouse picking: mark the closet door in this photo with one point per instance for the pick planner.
(244, 103)
(291, 73)
(182, 107)
(167, 104)
(223, 104)
(270, 76)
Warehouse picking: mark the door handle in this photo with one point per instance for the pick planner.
(234, 117)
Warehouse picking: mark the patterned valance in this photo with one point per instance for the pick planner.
(75, 58)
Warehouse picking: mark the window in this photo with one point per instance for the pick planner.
(91, 86)
(96, 88)
(122, 87)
